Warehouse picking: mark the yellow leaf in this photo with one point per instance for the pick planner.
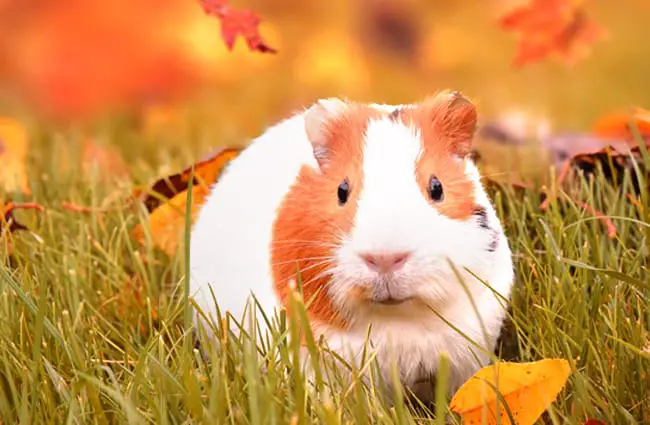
(13, 156)
(527, 388)
(167, 222)
(167, 219)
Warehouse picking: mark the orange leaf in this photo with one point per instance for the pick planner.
(617, 124)
(206, 171)
(8, 214)
(167, 218)
(527, 388)
(13, 156)
(552, 27)
(235, 22)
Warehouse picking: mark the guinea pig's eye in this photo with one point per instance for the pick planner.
(435, 189)
(343, 192)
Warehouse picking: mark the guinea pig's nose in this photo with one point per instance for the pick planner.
(385, 262)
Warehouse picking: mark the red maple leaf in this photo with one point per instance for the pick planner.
(235, 22)
(552, 27)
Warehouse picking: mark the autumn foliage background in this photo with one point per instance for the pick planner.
(99, 99)
(165, 66)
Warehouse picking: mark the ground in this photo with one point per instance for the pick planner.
(91, 324)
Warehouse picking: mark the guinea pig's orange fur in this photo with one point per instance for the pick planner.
(447, 128)
(310, 218)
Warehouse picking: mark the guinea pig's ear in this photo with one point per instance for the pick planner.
(455, 120)
(316, 119)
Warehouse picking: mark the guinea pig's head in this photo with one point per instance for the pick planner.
(392, 200)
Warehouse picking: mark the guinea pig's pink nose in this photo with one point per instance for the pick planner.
(385, 262)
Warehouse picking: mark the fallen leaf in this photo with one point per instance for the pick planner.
(14, 146)
(552, 27)
(206, 171)
(616, 124)
(8, 222)
(527, 388)
(612, 161)
(8, 219)
(236, 22)
(167, 198)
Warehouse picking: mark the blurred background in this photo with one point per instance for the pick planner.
(159, 68)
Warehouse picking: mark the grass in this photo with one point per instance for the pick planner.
(92, 326)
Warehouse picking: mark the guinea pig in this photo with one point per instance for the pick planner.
(382, 211)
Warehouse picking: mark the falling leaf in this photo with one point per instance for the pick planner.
(527, 388)
(13, 156)
(236, 22)
(167, 198)
(552, 27)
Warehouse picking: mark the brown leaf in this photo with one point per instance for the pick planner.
(613, 162)
(167, 217)
(206, 171)
(236, 22)
(14, 146)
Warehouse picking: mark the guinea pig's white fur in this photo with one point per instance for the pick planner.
(232, 237)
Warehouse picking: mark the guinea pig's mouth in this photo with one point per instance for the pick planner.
(387, 292)
(391, 301)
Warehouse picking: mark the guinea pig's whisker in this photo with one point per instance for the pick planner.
(306, 242)
(312, 266)
(295, 260)
(286, 246)
(320, 275)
